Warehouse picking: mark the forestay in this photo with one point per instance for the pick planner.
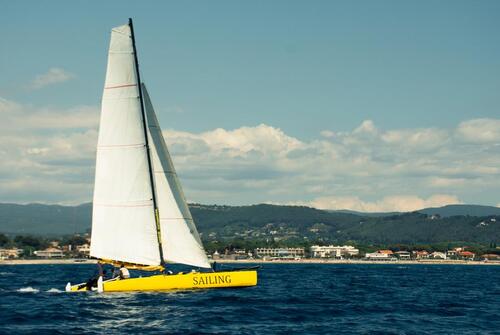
(123, 222)
(180, 240)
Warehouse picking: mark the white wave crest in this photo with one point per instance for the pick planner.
(28, 289)
(54, 290)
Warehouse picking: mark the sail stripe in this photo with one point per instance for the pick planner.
(113, 205)
(119, 86)
(121, 30)
(178, 218)
(120, 146)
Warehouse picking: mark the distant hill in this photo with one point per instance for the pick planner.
(369, 214)
(454, 210)
(445, 211)
(42, 219)
(284, 223)
(299, 223)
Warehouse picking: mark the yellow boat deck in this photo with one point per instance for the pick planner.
(182, 281)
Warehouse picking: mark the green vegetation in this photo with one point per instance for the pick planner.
(4, 240)
(38, 219)
(231, 244)
(247, 227)
(288, 225)
(30, 243)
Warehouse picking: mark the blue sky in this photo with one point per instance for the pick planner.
(303, 68)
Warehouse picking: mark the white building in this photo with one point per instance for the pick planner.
(438, 255)
(380, 256)
(10, 253)
(406, 255)
(83, 249)
(280, 252)
(50, 253)
(451, 254)
(333, 251)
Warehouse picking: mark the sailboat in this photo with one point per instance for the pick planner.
(140, 217)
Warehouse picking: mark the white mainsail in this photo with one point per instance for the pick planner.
(123, 220)
(180, 240)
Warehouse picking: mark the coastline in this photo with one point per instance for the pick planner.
(356, 261)
(50, 261)
(47, 261)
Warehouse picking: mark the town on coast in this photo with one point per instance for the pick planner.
(76, 250)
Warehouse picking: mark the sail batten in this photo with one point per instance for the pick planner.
(123, 219)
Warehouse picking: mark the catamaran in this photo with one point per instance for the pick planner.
(140, 217)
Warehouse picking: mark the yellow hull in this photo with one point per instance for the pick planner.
(187, 281)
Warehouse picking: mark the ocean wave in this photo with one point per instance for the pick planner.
(28, 289)
(54, 290)
(288, 300)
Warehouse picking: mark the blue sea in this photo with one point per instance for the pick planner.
(290, 299)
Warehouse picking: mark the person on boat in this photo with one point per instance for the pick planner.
(124, 273)
(100, 270)
(92, 282)
(116, 273)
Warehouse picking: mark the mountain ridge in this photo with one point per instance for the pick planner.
(283, 223)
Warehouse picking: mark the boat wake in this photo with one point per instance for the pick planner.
(28, 289)
(54, 290)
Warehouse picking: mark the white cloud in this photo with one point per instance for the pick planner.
(327, 133)
(396, 203)
(17, 117)
(47, 154)
(367, 127)
(398, 169)
(447, 182)
(367, 162)
(480, 131)
(53, 76)
(417, 139)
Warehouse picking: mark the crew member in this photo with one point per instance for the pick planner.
(124, 274)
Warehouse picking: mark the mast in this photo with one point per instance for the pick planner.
(148, 151)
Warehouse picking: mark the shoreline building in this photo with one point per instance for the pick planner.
(490, 257)
(403, 255)
(381, 255)
(50, 253)
(437, 255)
(333, 251)
(467, 255)
(83, 249)
(284, 253)
(421, 254)
(10, 253)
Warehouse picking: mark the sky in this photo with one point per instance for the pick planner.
(363, 105)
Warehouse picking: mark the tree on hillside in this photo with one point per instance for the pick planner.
(4, 240)
(75, 240)
(23, 241)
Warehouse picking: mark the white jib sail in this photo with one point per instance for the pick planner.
(123, 220)
(180, 240)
